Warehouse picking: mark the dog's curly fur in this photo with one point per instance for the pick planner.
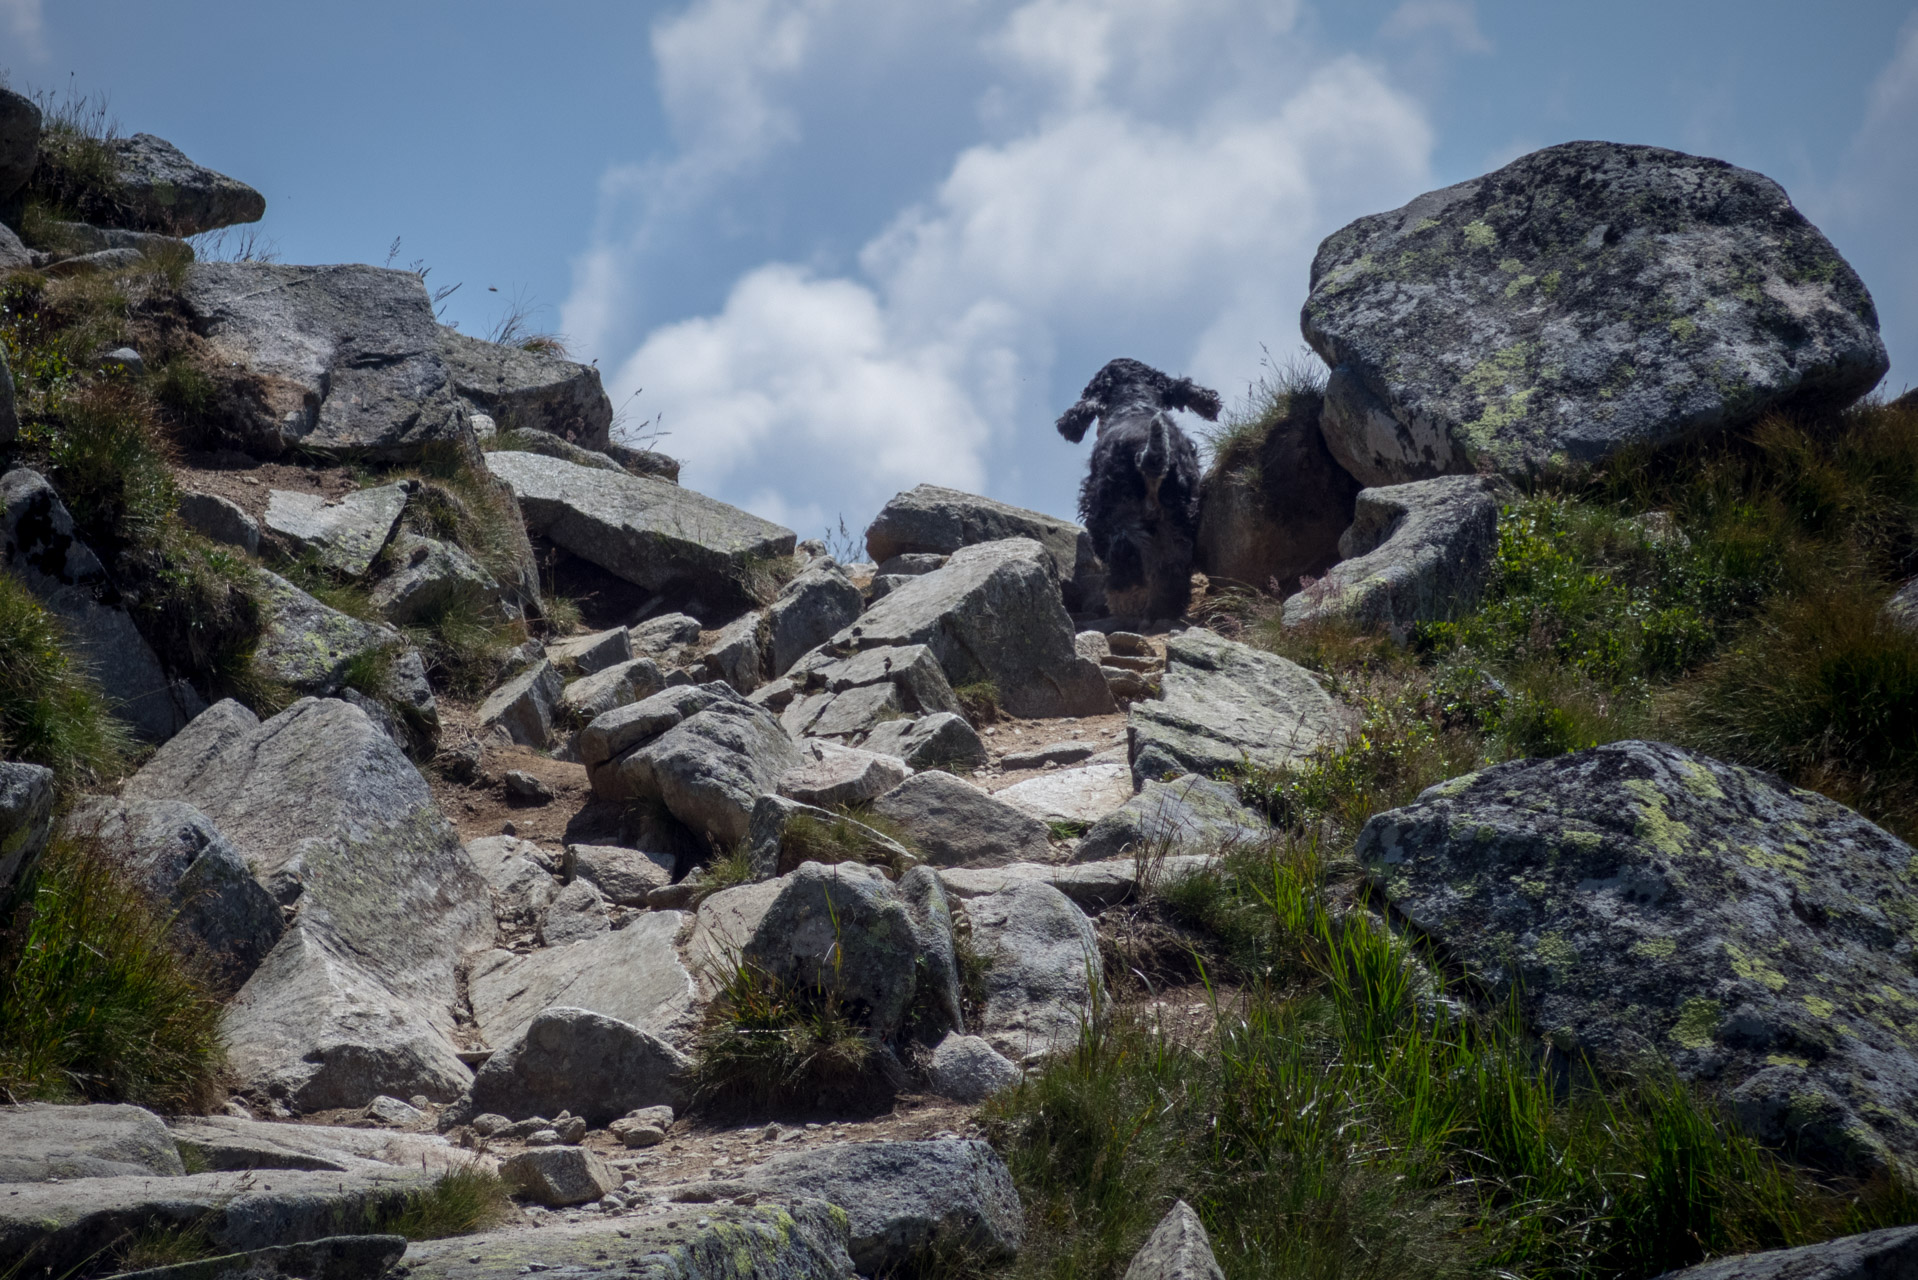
(1140, 499)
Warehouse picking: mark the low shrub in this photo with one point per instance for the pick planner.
(459, 1202)
(768, 1044)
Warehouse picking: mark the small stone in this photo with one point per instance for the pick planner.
(521, 785)
(392, 1111)
(491, 1123)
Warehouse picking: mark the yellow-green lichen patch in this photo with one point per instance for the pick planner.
(1575, 841)
(1519, 285)
(1753, 968)
(1654, 948)
(1786, 1060)
(1550, 281)
(1556, 951)
(1452, 786)
(1819, 1006)
(1479, 234)
(1511, 266)
(1655, 826)
(1683, 328)
(1423, 224)
(1699, 780)
(1697, 1019)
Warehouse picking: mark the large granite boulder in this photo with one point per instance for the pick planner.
(844, 697)
(1275, 504)
(632, 974)
(907, 1201)
(313, 648)
(345, 536)
(708, 769)
(158, 189)
(429, 580)
(1188, 815)
(26, 818)
(522, 883)
(1417, 552)
(19, 141)
(1178, 1249)
(955, 824)
(524, 705)
(526, 390)
(1889, 1254)
(943, 740)
(345, 359)
(1043, 971)
(1646, 902)
(358, 998)
(222, 919)
(808, 611)
(40, 1142)
(1223, 705)
(844, 929)
(596, 1067)
(43, 551)
(939, 521)
(786, 833)
(993, 613)
(645, 531)
(1585, 298)
(590, 697)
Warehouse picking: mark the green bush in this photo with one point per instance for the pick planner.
(94, 1002)
(766, 1043)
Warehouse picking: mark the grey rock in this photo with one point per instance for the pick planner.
(1177, 1249)
(967, 1069)
(591, 697)
(311, 648)
(44, 552)
(526, 787)
(1583, 298)
(955, 824)
(843, 928)
(632, 974)
(14, 256)
(1418, 552)
(992, 614)
(39, 1141)
(1890, 1254)
(661, 635)
(576, 913)
(1082, 795)
(357, 997)
(645, 531)
(100, 262)
(525, 390)
(221, 917)
(910, 564)
(708, 770)
(938, 956)
(785, 833)
(26, 818)
(1050, 753)
(774, 695)
(623, 728)
(214, 517)
(125, 361)
(159, 189)
(344, 536)
(800, 1239)
(346, 358)
(19, 141)
(226, 1143)
(1092, 886)
(853, 695)
(1223, 704)
(515, 869)
(808, 611)
(943, 740)
(938, 521)
(1649, 902)
(1127, 687)
(1902, 608)
(1042, 970)
(829, 774)
(738, 653)
(1274, 511)
(625, 876)
(59, 1226)
(590, 654)
(645, 462)
(523, 706)
(907, 1199)
(593, 1066)
(391, 1111)
(1093, 646)
(71, 239)
(883, 584)
(332, 1258)
(1185, 815)
(559, 1176)
(9, 415)
(430, 579)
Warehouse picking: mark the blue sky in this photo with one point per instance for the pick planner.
(846, 246)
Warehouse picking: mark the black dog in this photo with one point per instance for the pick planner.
(1140, 501)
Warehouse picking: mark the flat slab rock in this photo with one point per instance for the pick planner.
(346, 358)
(1653, 902)
(1085, 794)
(932, 520)
(1891, 1254)
(525, 390)
(1581, 299)
(632, 974)
(648, 532)
(1092, 886)
(799, 1239)
(345, 536)
(40, 1141)
(1223, 705)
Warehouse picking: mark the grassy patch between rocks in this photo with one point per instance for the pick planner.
(460, 1202)
(94, 1002)
(768, 1044)
(1346, 1119)
(50, 713)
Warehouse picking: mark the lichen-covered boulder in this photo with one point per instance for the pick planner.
(1417, 552)
(808, 611)
(932, 520)
(529, 390)
(157, 188)
(1223, 705)
(1651, 904)
(345, 536)
(1584, 298)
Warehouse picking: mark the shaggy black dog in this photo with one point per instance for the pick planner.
(1140, 501)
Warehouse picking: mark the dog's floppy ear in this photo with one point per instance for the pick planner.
(1184, 393)
(1073, 422)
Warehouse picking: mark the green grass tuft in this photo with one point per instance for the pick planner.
(460, 1202)
(767, 1044)
(51, 714)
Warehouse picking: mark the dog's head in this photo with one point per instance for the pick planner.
(1131, 384)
